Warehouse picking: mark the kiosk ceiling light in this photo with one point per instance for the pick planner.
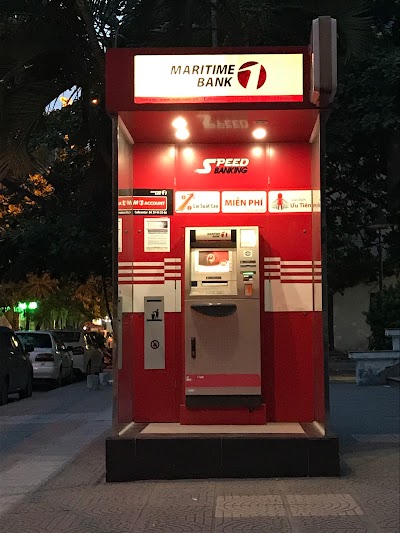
(179, 123)
(259, 133)
(257, 151)
(182, 134)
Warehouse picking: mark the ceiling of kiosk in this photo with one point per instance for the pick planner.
(231, 126)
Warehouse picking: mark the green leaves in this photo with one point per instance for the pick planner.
(383, 312)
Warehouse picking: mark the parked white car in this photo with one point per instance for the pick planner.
(88, 358)
(50, 358)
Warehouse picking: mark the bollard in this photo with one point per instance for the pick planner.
(93, 382)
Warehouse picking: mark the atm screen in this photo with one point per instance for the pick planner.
(213, 261)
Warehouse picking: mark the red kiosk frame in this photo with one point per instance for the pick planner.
(172, 418)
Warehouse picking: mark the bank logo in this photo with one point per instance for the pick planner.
(252, 71)
(230, 165)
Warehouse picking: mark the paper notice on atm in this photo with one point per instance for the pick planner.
(197, 202)
(157, 235)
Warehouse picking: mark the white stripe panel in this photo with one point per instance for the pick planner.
(317, 297)
(269, 259)
(294, 269)
(317, 262)
(130, 271)
(122, 264)
(296, 262)
(141, 278)
(172, 275)
(272, 267)
(172, 260)
(148, 271)
(126, 293)
(148, 278)
(282, 297)
(172, 296)
(318, 278)
(297, 278)
(172, 267)
(148, 264)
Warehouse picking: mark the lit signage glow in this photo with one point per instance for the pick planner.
(162, 79)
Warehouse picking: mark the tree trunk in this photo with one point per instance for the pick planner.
(98, 53)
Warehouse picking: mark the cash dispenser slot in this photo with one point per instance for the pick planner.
(215, 310)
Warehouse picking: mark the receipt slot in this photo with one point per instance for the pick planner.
(222, 317)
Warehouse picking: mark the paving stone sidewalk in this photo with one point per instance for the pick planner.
(40, 435)
(364, 500)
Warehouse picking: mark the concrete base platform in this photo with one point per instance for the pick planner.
(171, 451)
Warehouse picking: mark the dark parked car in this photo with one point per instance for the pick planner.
(16, 373)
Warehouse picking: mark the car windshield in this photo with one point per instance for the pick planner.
(68, 336)
(37, 340)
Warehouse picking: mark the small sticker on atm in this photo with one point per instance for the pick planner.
(248, 253)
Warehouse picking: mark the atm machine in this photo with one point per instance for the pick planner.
(222, 318)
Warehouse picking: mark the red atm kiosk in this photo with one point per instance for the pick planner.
(219, 358)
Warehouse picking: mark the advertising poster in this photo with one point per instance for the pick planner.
(197, 202)
(145, 202)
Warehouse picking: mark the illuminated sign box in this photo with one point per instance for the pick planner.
(215, 78)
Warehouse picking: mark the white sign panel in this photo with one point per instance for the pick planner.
(316, 199)
(292, 202)
(244, 202)
(217, 78)
(120, 235)
(157, 235)
(213, 235)
(154, 333)
(197, 202)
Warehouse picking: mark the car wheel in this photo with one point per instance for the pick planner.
(4, 392)
(27, 391)
(89, 368)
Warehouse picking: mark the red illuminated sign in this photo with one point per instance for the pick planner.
(145, 202)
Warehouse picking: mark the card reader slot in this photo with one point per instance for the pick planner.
(216, 310)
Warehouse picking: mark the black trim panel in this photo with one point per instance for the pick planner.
(251, 401)
(219, 456)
